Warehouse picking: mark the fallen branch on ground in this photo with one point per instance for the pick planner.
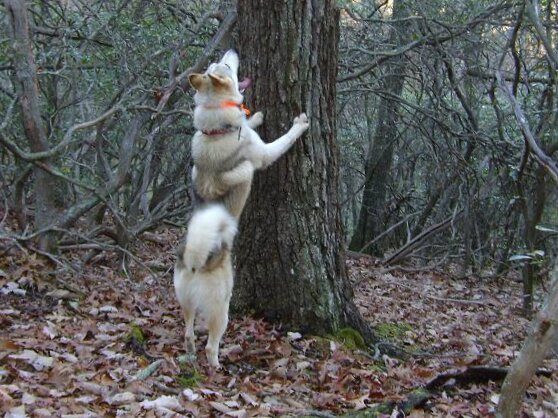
(418, 397)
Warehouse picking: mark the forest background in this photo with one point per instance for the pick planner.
(432, 105)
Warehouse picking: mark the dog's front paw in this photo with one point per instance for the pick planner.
(300, 124)
(301, 119)
(256, 120)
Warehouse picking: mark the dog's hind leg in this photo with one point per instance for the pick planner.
(217, 326)
(189, 337)
(236, 198)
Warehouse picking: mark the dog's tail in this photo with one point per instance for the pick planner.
(211, 232)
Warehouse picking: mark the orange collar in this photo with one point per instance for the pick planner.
(230, 104)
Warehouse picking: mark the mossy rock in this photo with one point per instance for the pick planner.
(351, 339)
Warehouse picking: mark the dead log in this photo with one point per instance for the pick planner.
(418, 397)
(474, 374)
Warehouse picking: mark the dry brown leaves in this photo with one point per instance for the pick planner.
(65, 348)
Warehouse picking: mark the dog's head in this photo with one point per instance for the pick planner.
(220, 80)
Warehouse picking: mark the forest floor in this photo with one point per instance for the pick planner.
(99, 342)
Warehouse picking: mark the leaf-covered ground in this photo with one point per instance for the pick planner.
(98, 342)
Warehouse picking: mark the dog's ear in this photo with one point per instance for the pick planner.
(196, 80)
(230, 59)
(217, 80)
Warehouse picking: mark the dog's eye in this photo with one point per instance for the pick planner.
(227, 65)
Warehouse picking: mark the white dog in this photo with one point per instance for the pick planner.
(226, 150)
(203, 275)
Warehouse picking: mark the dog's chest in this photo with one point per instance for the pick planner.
(212, 158)
(216, 155)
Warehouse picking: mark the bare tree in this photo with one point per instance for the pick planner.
(290, 265)
(382, 144)
(47, 191)
(101, 138)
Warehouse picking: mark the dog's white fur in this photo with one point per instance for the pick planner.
(224, 164)
(223, 169)
(203, 280)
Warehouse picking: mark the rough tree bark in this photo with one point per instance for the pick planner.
(47, 189)
(290, 264)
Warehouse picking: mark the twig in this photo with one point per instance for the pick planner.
(415, 242)
(537, 152)
(541, 31)
(165, 388)
(226, 27)
(67, 140)
(52, 258)
(387, 231)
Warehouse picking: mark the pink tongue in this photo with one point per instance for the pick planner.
(244, 84)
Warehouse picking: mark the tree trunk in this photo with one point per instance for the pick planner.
(536, 346)
(47, 189)
(290, 264)
(380, 153)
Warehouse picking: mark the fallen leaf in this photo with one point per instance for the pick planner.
(249, 399)
(121, 399)
(220, 407)
(12, 287)
(50, 330)
(190, 395)
(163, 403)
(18, 412)
(34, 359)
(294, 336)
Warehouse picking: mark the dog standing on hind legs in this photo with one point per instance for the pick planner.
(203, 276)
(226, 150)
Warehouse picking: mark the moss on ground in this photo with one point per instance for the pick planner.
(351, 339)
(392, 331)
(189, 376)
(135, 336)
